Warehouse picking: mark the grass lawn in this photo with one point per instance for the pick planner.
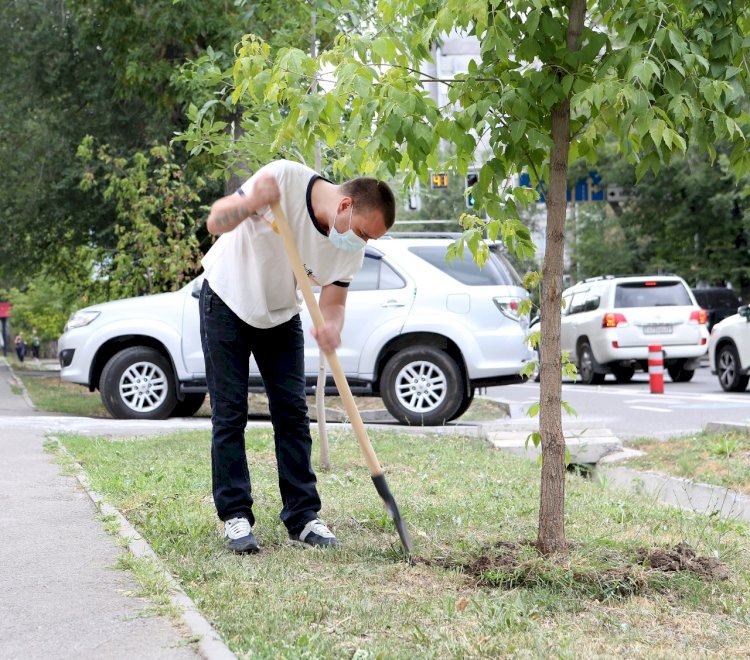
(474, 587)
(722, 459)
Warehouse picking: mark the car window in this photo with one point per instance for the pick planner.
(651, 294)
(720, 298)
(374, 275)
(727, 299)
(593, 298)
(495, 271)
(578, 302)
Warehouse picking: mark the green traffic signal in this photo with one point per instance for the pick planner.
(471, 180)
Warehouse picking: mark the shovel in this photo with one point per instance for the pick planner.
(376, 471)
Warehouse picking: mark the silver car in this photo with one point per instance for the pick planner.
(420, 332)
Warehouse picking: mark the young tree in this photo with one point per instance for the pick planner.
(551, 82)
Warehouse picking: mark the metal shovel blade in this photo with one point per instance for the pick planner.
(390, 504)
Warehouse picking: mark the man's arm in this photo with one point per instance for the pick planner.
(332, 304)
(228, 212)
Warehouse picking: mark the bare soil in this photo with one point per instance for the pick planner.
(513, 564)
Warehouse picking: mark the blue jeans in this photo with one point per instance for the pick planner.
(228, 343)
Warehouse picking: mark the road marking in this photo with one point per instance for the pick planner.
(661, 397)
(718, 405)
(662, 410)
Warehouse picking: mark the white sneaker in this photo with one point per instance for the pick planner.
(316, 533)
(240, 535)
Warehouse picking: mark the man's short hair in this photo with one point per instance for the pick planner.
(368, 193)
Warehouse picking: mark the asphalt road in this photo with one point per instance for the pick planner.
(630, 410)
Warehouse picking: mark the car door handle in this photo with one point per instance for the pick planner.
(392, 304)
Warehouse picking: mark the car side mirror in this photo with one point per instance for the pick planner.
(744, 311)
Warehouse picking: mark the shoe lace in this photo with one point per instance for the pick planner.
(320, 528)
(236, 528)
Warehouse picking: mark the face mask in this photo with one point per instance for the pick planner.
(348, 241)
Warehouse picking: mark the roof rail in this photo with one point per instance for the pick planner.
(599, 278)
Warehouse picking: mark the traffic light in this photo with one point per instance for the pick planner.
(471, 180)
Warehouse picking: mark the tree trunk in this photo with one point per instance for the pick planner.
(551, 537)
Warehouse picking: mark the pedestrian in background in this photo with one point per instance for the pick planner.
(249, 305)
(20, 347)
(36, 344)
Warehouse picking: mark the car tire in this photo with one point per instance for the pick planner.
(465, 403)
(623, 374)
(190, 405)
(729, 369)
(137, 383)
(422, 386)
(679, 374)
(586, 366)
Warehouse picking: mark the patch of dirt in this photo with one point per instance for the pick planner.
(683, 558)
(513, 564)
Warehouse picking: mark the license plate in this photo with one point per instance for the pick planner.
(657, 329)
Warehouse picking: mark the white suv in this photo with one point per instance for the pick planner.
(729, 351)
(420, 332)
(609, 322)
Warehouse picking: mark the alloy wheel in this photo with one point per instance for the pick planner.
(143, 387)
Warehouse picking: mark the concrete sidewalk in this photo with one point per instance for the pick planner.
(60, 595)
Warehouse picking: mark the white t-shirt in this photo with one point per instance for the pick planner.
(248, 267)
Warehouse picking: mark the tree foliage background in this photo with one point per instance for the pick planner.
(110, 69)
(691, 218)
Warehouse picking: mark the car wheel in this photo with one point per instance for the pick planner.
(679, 374)
(729, 370)
(586, 373)
(422, 386)
(190, 405)
(465, 403)
(623, 374)
(137, 383)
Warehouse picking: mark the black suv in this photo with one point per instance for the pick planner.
(719, 302)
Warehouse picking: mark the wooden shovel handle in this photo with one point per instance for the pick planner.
(338, 373)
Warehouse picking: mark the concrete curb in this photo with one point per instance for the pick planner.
(382, 416)
(689, 495)
(727, 427)
(210, 644)
(19, 383)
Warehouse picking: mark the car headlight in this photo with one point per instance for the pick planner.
(79, 319)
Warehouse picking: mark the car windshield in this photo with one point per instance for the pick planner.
(496, 271)
(651, 294)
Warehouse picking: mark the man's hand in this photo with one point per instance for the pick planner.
(327, 336)
(230, 211)
(332, 302)
(265, 192)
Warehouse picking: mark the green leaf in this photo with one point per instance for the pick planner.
(656, 131)
(569, 409)
(517, 130)
(533, 437)
(533, 410)
(532, 22)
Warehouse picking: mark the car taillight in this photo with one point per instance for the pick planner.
(613, 320)
(698, 316)
(508, 305)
